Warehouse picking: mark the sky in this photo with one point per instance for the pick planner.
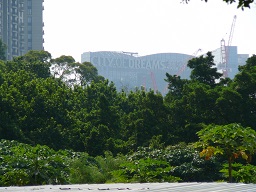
(145, 26)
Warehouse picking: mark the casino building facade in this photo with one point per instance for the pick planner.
(128, 70)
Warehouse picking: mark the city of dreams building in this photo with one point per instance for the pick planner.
(128, 70)
(21, 26)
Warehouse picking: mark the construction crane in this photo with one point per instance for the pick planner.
(184, 66)
(225, 49)
(223, 52)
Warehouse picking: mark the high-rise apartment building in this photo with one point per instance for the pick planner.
(21, 26)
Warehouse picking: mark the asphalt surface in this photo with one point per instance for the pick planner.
(140, 187)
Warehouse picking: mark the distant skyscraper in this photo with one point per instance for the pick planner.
(21, 26)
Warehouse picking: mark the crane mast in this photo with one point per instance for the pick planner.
(225, 49)
(232, 31)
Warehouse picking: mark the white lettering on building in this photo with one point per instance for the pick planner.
(136, 63)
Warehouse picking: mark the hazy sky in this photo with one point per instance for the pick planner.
(145, 26)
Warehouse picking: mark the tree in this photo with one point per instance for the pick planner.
(73, 73)
(175, 86)
(88, 73)
(2, 69)
(196, 106)
(203, 69)
(2, 50)
(22, 164)
(229, 106)
(39, 110)
(241, 3)
(101, 124)
(244, 84)
(35, 62)
(144, 117)
(230, 140)
(61, 66)
(245, 80)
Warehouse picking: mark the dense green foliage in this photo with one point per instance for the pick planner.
(185, 161)
(144, 170)
(22, 164)
(87, 169)
(240, 172)
(230, 140)
(2, 50)
(66, 105)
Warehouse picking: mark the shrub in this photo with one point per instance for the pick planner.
(241, 173)
(22, 164)
(87, 169)
(144, 170)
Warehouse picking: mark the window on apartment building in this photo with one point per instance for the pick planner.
(30, 29)
(14, 18)
(15, 34)
(22, 37)
(14, 10)
(22, 45)
(14, 51)
(29, 11)
(29, 3)
(29, 37)
(29, 20)
(14, 2)
(21, 21)
(14, 26)
(30, 45)
(14, 43)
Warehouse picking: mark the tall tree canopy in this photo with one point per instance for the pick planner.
(73, 73)
(34, 62)
(37, 105)
(244, 83)
(204, 70)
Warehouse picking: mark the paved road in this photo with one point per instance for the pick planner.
(140, 187)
